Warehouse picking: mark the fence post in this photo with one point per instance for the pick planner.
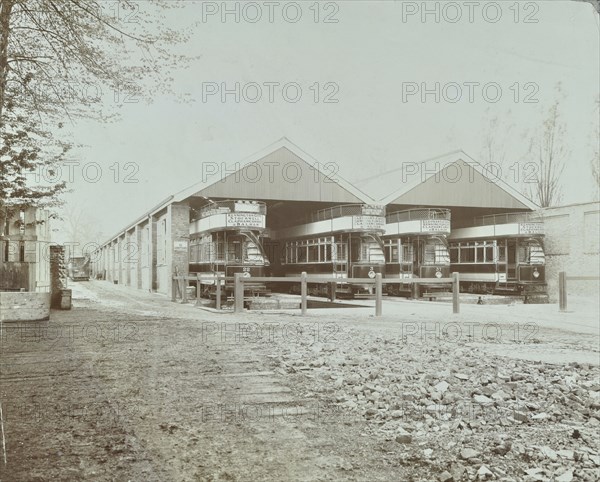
(303, 291)
(455, 291)
(198, 289)
(184, 290)
(174, 289)
(415, 290)
(562, 291)
(218, 300)
(238, 293)
(378, 293)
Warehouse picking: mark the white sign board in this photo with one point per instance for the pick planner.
(180, 245)
(368, 222)
(246, 220)
(435, 225)
(531, 228)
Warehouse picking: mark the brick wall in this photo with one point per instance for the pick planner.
(571, 245)
(24, 306)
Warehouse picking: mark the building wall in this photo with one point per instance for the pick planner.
(24, 246)
(162, 253)
(572, 244)
(25, 306)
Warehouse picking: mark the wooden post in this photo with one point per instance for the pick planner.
(455, 291)
(198, 289)
(378, 293)
(562, 291)
(415, 290)
(333, 288)
(238, 293)
(303, 291)
(174, 289)
(218, 300)
(184, 290)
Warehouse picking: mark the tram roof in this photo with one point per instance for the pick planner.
(451, 180)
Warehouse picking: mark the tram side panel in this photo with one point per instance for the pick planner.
(500, 266)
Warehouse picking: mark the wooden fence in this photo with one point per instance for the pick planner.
(562, 287)
(239, 279)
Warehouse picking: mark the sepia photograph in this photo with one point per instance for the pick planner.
(312, 240)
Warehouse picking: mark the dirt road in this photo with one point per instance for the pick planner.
(128, 386)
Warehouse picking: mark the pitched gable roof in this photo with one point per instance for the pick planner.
(454, 179)
(281, 171)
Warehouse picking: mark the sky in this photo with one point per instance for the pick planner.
(381, 84)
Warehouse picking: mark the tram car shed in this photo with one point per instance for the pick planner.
(281, 212)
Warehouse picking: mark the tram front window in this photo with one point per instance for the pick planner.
(532, 253)
(371, 251)
(252, 253)
(436, 252)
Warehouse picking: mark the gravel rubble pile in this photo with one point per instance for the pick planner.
(451, 412)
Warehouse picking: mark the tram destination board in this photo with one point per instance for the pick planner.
(251, 220)
(435, 225)
(368, 222)
(531, 228)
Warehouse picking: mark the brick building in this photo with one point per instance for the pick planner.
(572, 245)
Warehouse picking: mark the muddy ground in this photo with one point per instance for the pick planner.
(128, 386)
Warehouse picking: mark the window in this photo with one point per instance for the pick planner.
(479, 253)
(369, 251)
(467, 253)
(315, 250)
(391, 250)
(407, 251)
(454, 249)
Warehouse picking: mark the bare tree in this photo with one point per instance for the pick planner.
(495, 139)
(548, 151)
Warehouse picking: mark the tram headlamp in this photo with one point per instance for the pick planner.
(438, 274)
(536, 273)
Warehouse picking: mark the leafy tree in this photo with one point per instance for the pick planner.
(57, 59)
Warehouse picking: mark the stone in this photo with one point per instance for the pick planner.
(540, 416)
(566, 454)
(484, 473)
(565, 477)
(468, 453)
(520, 416)
(446, 477)
(442, 386)
(500, 395)
(404, 438)
(461, 376)
(548, 452)
(483, 400)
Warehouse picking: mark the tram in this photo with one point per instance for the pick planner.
(501, 254)
(343, 241)
(416, 246)
(78, 268)
(225, 238)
